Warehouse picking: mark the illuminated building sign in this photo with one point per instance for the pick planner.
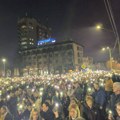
(46, 41)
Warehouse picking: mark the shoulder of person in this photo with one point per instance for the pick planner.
(8, 117)
(80, 118)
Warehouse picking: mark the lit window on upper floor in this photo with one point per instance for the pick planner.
(31, 43)
(24, 38)
(31, 27)
(23, 26)
(25, 47)
(23, 43)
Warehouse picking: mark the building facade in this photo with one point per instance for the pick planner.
(87, 62)
(52, 58)
(30, 31)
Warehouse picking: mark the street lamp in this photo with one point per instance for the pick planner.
(99, 26)
(110, 55)
(4, 62)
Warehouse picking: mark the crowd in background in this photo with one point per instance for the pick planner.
(93, 95)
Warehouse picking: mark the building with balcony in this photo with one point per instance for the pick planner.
(52, 58)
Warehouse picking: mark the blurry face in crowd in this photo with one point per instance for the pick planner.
(35, 115)
(29, 108)
(2, 110)
(44, 107)
(73, 113)
(89, 103)
(96, 86)
(116, 89)
(118, 110)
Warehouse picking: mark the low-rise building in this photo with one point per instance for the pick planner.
(52, 58)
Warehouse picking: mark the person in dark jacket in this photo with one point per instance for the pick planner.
(118, 111)
(115, 98)
(46, 112)
(89, 111)
(100, 98)
(6, 114)
(110, 115)
(65, 102)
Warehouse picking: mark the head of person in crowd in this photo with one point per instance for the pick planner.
(116, 88)
(89, 101)
(73, 101)
(34, 114)
(74, 111)
(45, 106)
(118, 108)
(96, 86)
(108, 85)
(4, 110)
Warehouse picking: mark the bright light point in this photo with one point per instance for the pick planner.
(103, 49)
(98, 27)
(110, 112)
(108, 48)
(33, 90)
(20, 106)
(89, 89)
(8, 96)
(4, 60)
(33, 105)
(56, 105)
(41, 93)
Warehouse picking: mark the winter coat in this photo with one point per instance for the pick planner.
(90, 113)
(114, 99)
(8, 117)
(48, 115)
(100, 98)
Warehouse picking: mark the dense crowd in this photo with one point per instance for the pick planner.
(93, 95)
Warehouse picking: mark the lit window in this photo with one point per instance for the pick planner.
(24, 38)
(30, 27)
(25, 47)
(23, 26)
(23, 43)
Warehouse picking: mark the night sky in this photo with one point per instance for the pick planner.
(68, 19)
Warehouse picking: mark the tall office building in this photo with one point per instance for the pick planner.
(30, 31)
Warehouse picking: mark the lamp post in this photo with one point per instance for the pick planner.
(4, 67)
(116, 36)
(110, 55)
(99, 26)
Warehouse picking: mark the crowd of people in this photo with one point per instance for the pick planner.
(93, 95)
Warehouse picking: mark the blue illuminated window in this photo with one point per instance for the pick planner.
(46, 41)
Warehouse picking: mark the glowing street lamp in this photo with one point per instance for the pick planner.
(110, 55)
(99, 26)
(4, 63)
